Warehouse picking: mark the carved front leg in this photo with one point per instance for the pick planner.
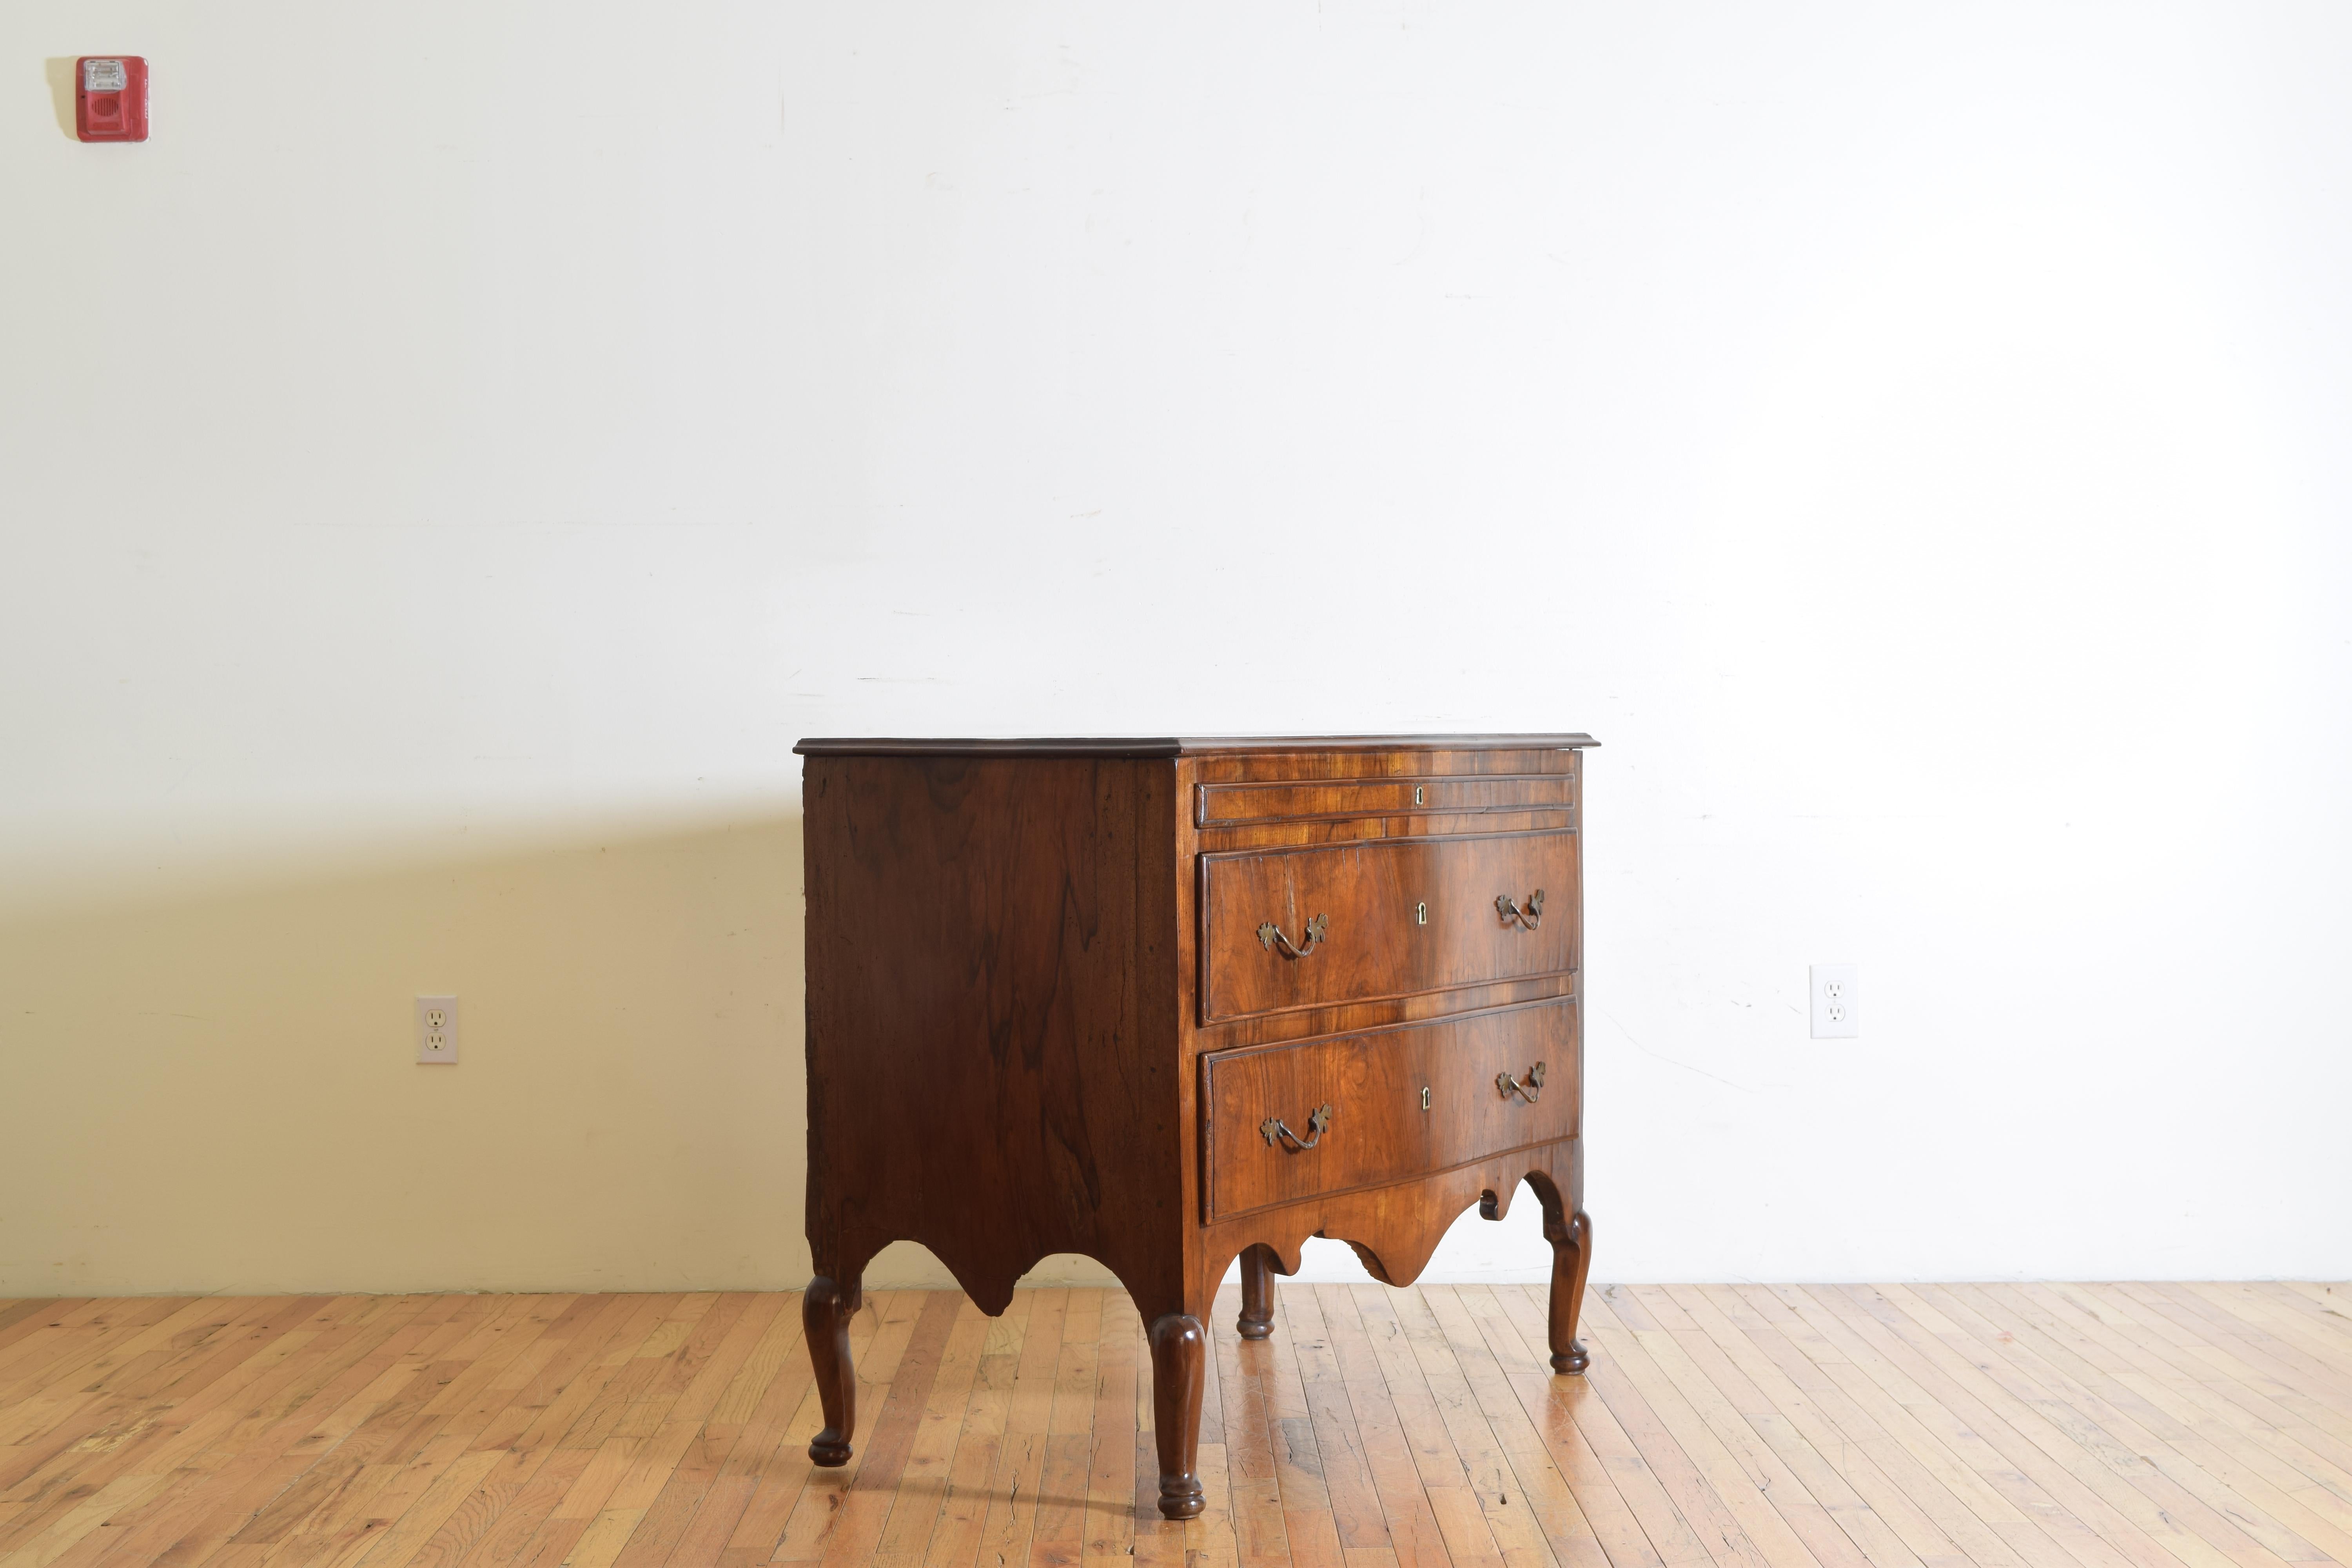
(1180, 1356)
(826, 1312)
(1572, 1259)
(1256, 1320)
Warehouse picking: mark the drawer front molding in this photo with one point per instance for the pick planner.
(1230, 805)
(1384, 1108)
(1394, 918)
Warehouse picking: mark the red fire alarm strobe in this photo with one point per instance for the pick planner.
(110, 97)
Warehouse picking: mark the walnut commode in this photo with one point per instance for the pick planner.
(1166, 1003)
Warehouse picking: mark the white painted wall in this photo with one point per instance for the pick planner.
(444, 470)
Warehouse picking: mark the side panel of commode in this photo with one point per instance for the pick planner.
(992, 1055)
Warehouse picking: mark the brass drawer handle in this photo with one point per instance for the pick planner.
(1531, 917)
(1529, 1091)
(1270, 933)
(1276, 1129)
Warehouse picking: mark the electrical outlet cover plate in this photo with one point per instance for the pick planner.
(1837, 989)
(437, 1029)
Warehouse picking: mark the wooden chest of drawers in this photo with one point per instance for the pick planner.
(1166, 1004)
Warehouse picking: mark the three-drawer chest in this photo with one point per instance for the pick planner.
(1168, 1003)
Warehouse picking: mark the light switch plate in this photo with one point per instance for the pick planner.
(1837, 995)
(437, 1029)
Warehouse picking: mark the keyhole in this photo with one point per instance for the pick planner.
(1416, 795)
(1421, 914)
(1425, 1096)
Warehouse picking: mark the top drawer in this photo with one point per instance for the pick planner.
(1282, 929)
(1222, 804)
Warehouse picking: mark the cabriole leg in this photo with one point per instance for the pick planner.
(1571, 1260)
(826, 1312)
(1178, 1357)
(1256, 1320)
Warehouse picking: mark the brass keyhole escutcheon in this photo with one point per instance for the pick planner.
(1421, 914)
(1425, 1096)
(1416, 795)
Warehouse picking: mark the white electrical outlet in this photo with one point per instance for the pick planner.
(437, 1029)
(1837, 989)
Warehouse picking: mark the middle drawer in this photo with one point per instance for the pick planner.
(1282, 929)
(1284, 1122)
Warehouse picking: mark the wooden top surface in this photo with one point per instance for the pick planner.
(1158, 746)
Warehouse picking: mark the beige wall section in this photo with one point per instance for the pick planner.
(215, 1090)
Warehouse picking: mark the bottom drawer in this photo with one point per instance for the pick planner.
(1303, 1121)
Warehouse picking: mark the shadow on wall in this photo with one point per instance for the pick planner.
(60, 72)
(218, 1091)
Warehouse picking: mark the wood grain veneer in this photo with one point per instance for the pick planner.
(1088, 996)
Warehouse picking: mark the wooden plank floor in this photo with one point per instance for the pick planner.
(1721, 1427)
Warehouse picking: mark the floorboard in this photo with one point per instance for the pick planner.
(1962, 1425)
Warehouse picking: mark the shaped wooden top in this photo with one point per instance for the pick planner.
(1158, 746)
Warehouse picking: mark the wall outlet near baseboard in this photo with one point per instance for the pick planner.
(437, 1029)
(1837, 994)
